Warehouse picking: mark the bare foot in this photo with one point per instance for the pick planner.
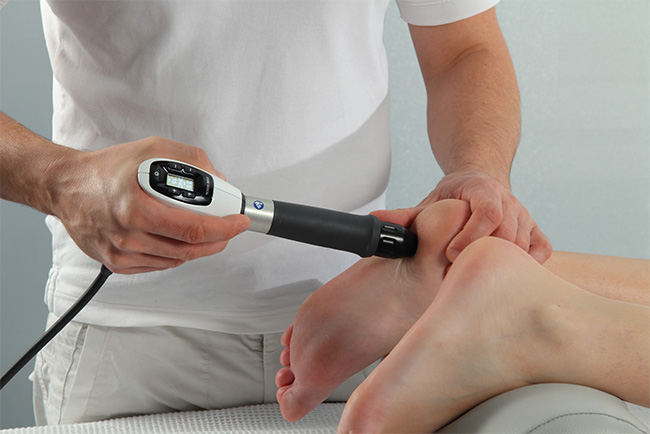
(360, 315)
(475, 341)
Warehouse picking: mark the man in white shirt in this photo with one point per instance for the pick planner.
(289, 99)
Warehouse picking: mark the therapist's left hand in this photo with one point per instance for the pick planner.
(495, 212)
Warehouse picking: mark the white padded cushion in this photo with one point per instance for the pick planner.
(551, 408)
(544, 408)
(254, 419)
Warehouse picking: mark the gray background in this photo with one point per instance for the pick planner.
(582, 168)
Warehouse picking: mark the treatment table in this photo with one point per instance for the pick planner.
(542, 408)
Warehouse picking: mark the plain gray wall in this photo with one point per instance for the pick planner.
(582, 168)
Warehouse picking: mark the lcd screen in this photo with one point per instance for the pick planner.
(180, 182)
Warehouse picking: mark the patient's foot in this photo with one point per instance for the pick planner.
(360, 315)
(476, 340)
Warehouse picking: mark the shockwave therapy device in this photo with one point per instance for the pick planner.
(184, 186)
(181, 185)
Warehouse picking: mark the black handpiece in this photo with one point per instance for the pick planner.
(364, 235)
(181, 185)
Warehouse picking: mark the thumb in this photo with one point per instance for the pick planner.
(402, 216)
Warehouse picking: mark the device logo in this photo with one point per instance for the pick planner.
(258, 204)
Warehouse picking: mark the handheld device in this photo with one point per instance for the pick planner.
(181, 185)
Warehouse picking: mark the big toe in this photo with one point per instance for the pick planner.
(296, 401)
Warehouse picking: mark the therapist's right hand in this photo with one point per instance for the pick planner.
(108, 215)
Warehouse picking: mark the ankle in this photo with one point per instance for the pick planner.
(554, 326)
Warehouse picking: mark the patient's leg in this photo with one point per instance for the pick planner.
(502, 321)
(622, 279)
(360, 315)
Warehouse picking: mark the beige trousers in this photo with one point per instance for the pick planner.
(90, 373)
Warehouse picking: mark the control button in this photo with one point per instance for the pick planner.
(189, 194)
(175, 166)
(158, 173)
(174, 191)
(189, 170)
(388, 241)
(391, 229)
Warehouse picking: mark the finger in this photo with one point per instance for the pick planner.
(173, 254)
(524, 230)
(540, 246)
(135, 270)
(121, 262)
(156, 245)
(192, 228)
(403, 217)
(508, 228)
(406, 216)
(483, 221)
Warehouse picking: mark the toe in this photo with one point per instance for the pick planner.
(290, 405)
(286, 336)
(297, 401)
(285, 357)
(279, 395)
(284, 377)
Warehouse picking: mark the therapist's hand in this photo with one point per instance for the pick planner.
(108, 215)
(495, 212)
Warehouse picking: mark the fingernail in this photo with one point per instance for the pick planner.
(244, 227)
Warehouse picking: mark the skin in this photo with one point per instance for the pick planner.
(359, 316)
(624, 279)
(473, 128)
(523, 324)
(474, 123)
(120, 226)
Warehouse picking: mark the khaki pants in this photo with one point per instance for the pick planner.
(90, 373)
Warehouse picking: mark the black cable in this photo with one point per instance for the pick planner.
(57, 326)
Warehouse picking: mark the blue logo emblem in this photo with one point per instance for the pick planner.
(258, 204)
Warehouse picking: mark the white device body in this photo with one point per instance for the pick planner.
(226, 199)
(183, 186)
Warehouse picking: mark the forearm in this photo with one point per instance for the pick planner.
(473, 112)
(474, 122)
(27, 160)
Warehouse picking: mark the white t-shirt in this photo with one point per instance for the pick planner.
(287, 97)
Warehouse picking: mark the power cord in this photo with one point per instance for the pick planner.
(104, 273)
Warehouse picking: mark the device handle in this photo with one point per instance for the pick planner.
(364, 235)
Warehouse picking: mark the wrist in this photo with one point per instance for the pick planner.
(61, 167)
(31, 163)
(502, 176)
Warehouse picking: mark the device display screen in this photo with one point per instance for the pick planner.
(180, 182)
